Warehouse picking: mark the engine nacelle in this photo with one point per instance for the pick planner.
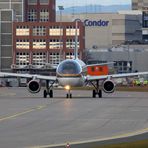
(108, 86)
(34, 86)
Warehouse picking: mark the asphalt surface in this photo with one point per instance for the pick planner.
(28, 120)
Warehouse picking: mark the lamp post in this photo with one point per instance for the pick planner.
(61, 8)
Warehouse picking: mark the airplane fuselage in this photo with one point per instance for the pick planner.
(71, 73)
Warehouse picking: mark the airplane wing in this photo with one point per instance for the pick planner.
(92, 78)
(101, 64)
(41, 77)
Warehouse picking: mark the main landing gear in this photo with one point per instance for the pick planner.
(96, 91)
(48, 90)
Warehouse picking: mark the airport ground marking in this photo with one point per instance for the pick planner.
(22, 113)
(126, 135)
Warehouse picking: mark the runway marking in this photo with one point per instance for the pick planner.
(130, 134)
(23, 113)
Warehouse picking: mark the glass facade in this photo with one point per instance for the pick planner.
(54, 58)
(22, 44)
(55, 31)
(22, 58)
(39, 31)
(53, 41)
(123, 66)
(44, 15)
(55, 44)
(16, 5)
(139, 4)
(22, 31)
(32, 15)
(39, 44)
(145, 27)
(39, 58)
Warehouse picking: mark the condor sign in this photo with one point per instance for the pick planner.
(99, 23)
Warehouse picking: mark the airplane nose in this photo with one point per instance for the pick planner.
(69, 67)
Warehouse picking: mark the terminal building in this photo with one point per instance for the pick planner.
(114, 37)
(34, 38)
(32, 35)
(139, 4)
(142, 5)
(108, 29)
(9, 11)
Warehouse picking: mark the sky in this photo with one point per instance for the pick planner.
(70, 3)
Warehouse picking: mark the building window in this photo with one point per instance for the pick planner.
(39, 44)
(22, 44)
(54, 58)
(70, 55)
(39, 31)
(123, 66)
(44, 2)
(55, 44)
(22, 59)
(39, 59)
(32, 2)
(55, 31)
(32, 15)
(145, 19)
(70, 43)
(71, 31)
(22, 31)
(44, 15)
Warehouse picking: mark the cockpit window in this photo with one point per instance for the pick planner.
(69, 67)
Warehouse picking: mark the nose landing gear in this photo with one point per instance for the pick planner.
(69, 94)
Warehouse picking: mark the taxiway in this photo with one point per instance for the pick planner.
(28, 120)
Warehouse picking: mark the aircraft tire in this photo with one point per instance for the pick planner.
(51, 93)
(94, 94)
(67, 96)
(100, 94)
(70, 95)
(45, 94)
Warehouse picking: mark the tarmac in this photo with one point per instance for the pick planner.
(29, 120)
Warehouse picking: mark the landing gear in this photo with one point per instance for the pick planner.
(45, 94)
(48, 90)
(96, 91)
(69, 94)
(99, 93)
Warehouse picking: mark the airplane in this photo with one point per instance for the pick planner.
(72, 73)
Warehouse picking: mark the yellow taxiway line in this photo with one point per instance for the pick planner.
(22, 113)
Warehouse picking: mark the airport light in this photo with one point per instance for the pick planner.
(67, 87)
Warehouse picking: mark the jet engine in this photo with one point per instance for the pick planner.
(34, 86)
(108, 86)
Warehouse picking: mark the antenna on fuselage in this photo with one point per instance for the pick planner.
(76, 41)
